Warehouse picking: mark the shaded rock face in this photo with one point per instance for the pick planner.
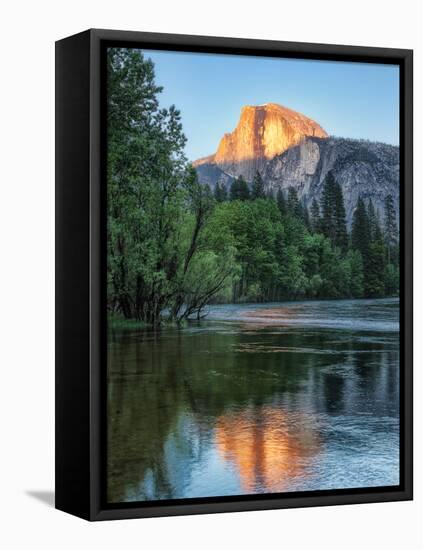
(210, 174)
(366, 169)
(263, 132)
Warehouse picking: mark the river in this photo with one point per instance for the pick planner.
(256, 398)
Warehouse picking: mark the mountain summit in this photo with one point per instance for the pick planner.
(291, 150)
(262, 133)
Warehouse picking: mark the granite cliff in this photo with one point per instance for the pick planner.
(289, 149)
(263, 132)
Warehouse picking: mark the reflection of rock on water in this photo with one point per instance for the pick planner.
(269, 447)
(273, 312)
(271, 316)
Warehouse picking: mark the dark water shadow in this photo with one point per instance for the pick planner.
(46, 497)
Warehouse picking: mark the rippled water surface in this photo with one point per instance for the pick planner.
(257, 398)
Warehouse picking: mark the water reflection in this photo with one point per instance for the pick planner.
(229, 407)
(270, 448)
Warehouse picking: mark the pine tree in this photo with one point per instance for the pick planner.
(360, 232)
(306, 216)
(366, 237)
(373, 224)
(391, 279)
(234, 190)
(326, 207)
(377, 229)
(374, 270)
(239, 189)
(375, 267)
(390, 230)
(356, 273)
(333, 224)
(341, 234)
(294, 206)
(220, 193)
(257, 191)
(280, 199)
(244, 190)
(315, 216)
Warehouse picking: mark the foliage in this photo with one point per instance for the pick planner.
(257, 191)
(280, 199)
(220, 192)
(315, 216)
(391, 279)
(157, 210)
(360, 233)
(332, 222)
(380, 270)
(239, 190)
(293, 204)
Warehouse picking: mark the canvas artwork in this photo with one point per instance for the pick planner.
(252, 275)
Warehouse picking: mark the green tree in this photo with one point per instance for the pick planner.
(157, 211)
(146, 169)
(341, 234)
(334, 271)
(356, 274)
(239, 189)
(374, 270)
(220, 193)
(280, 199)
(333, 223)
(374, 265)
(366, 237)
(294, 206)
(374, 225)
(257, 191)
(360, 232)
(327, 222)
(306, 216)
(391, 279)
(311, 251)
(255, 230)
(315, 216)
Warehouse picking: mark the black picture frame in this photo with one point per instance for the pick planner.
(80, 272)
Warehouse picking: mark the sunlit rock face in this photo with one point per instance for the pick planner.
(263, 132)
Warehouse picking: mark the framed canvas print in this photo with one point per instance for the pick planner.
(233, 274)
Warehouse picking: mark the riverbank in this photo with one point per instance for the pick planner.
(324, 313)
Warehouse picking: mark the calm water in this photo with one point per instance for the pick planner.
(257, 398)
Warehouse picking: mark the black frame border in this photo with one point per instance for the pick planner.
(92, 461)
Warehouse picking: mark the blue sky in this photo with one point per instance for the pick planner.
(356, 100)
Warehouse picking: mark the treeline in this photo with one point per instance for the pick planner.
(174, 246)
